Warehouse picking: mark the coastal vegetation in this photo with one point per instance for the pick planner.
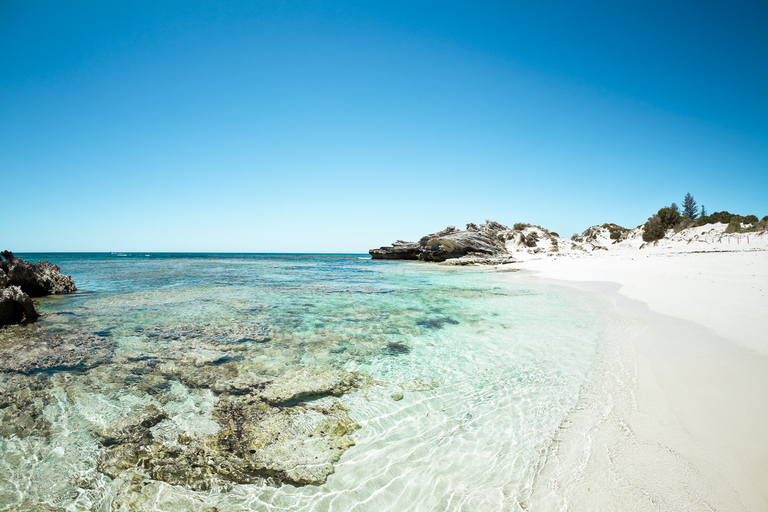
(670, 217)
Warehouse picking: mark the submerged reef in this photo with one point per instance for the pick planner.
(20, 280)
(484, 244)
(267, 434)
(254, 422)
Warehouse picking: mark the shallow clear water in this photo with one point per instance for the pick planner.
(489, 372)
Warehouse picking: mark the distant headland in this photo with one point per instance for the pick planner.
(493, 243)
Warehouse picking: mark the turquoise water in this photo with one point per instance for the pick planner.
(465, 379)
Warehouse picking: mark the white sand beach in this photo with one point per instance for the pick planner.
(695, 435)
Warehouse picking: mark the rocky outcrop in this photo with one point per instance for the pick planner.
(35, 279)
(15, 306)
(482, 242)
(20, 280)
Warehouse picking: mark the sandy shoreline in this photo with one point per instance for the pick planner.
(696, 435)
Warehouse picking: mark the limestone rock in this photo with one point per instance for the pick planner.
(302, 382)
(22, 402)
(294, 444)
(35, 279)
(486, 240)
(134, 428)
(399, 250)
(29, 351)
(256, 443)
(20, 280)
(15, 306)
(480, 259)
(151, 496)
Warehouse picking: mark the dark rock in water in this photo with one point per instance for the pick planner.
(36, 279)
(400, 250)
(484, 240)
(397, 349)
(436, 323)
(16, 306)
(20, 280)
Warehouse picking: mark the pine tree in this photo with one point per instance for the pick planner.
(690, 209)
(703, 211)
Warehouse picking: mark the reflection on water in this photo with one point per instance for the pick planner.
(286, 382)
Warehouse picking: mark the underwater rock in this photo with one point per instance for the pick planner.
(395, 348)
(266, 430)
(294, 444)
(133, 429)
(223, 334)
(35, 279)
(16, 306)
(436, 323)
(22, 400)
(33, 352)
(241, 378)
(150, 496)
(300, 383)
(417, 385)
(482, 241)
(256, 443)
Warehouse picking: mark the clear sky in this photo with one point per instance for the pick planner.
(341, 126)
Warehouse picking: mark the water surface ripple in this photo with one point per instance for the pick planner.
(419, 387)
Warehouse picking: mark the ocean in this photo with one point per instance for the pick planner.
(209, 381)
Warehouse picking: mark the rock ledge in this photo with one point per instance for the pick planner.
(20, 280)
(482, 244)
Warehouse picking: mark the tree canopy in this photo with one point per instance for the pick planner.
(690, 209)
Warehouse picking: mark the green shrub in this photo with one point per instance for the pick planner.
(554, 234)
(750, 219)
(653, 229)
(657, 226)
(734, 226)
(684, 223)
(615, 235)
(520, 226)
(716, 217)
(531, 239)
(668, 217)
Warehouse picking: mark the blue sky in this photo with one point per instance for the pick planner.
(342, 126)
